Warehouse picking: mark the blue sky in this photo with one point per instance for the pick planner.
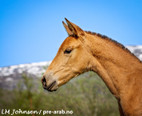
(32, 30)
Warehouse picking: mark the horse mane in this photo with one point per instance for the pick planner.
(114, 41)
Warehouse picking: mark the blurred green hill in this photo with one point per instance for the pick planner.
(87, 95)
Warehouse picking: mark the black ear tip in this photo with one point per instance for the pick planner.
(66, 19)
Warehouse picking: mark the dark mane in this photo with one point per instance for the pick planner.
(115, 42)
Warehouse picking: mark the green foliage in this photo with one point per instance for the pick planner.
(86, 95)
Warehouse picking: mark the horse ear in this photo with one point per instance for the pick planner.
(76, 30)
(67, 29)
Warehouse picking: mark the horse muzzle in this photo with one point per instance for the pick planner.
(49, 83)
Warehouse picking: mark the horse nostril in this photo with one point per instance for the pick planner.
(44, 81)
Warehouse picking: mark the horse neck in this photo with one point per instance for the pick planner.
(111, 62)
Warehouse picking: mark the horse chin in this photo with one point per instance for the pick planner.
(52, 90)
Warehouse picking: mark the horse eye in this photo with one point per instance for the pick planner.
(67, 51)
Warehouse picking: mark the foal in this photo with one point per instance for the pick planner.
(84, 51)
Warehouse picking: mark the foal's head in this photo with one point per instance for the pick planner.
(71, 60)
